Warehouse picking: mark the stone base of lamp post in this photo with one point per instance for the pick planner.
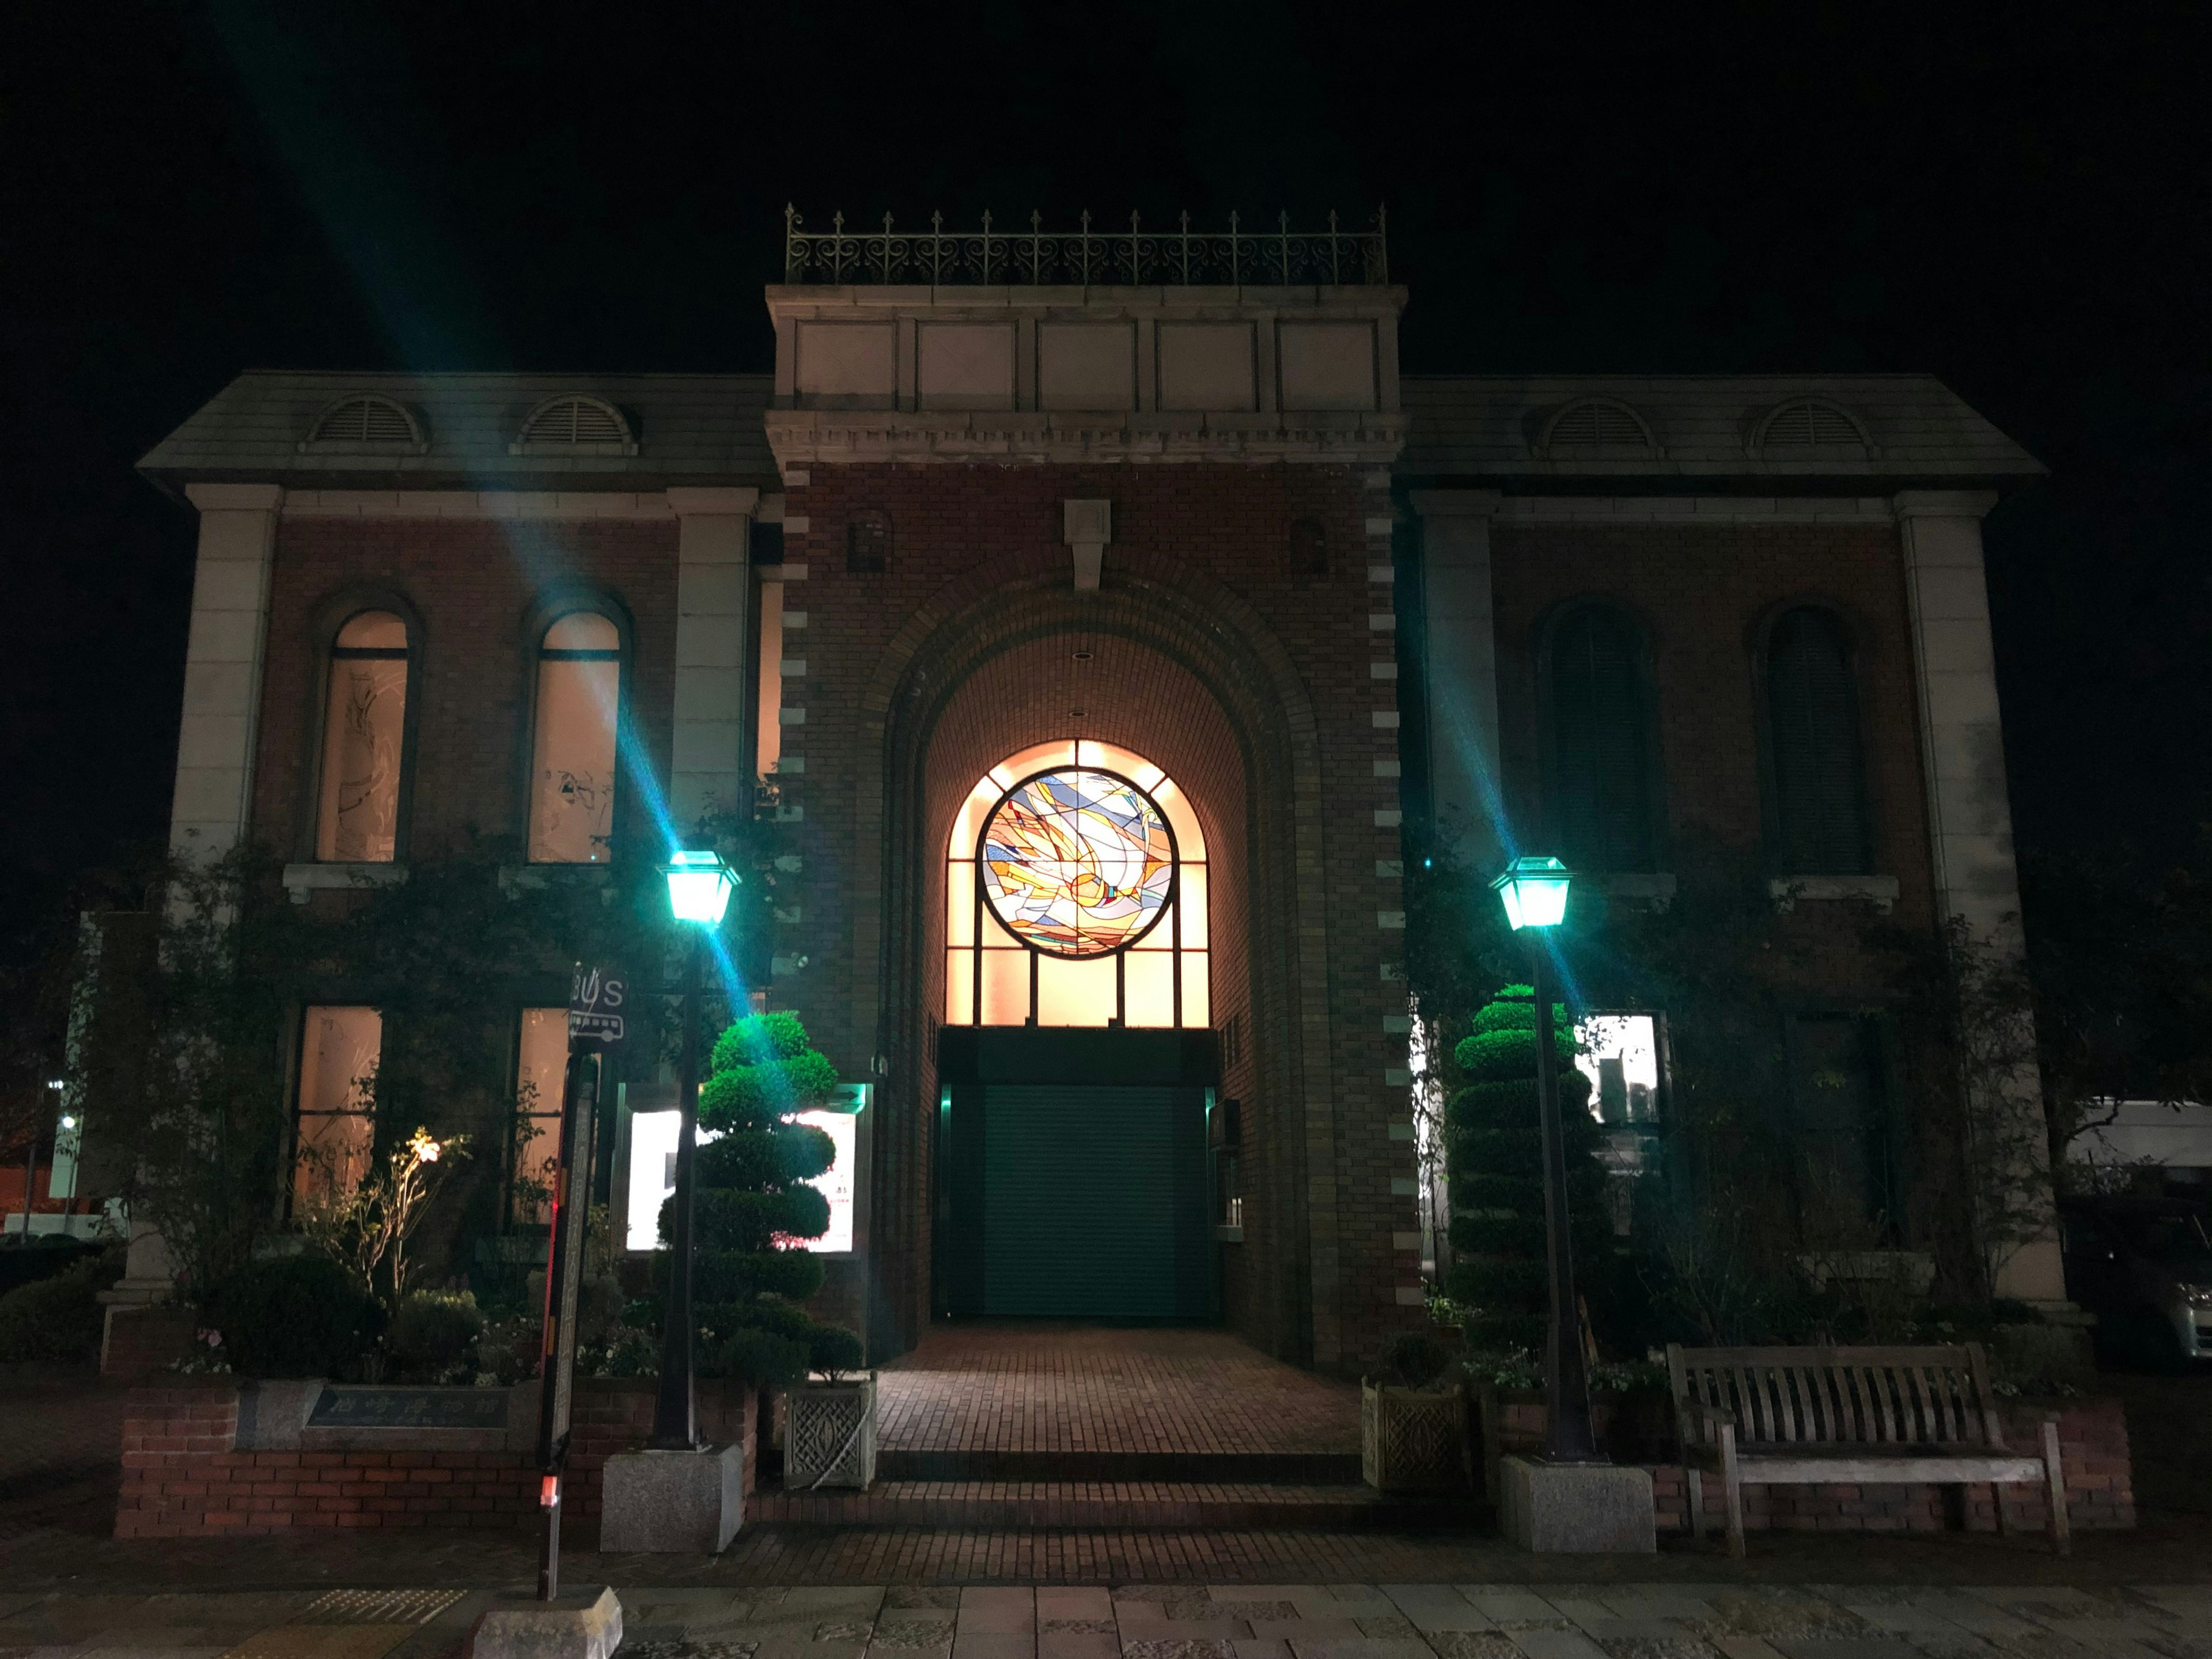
(673, 1503)
(1576, 1508)
(583, 1623)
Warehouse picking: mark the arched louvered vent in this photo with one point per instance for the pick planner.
(575, 425)
(1810, 424)
(1594, 424)
(366, 424)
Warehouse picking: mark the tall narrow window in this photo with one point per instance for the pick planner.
(364, 736)
(1076, 895)
(540, 1071)
(1818, 797)
(1600, 745)
(338, 1054)
(1848, 1185)
(571, 791)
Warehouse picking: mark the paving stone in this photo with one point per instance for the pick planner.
(1473, 1644)
(1511, 1609)
(1365, 1647)
(1078, 1602)
(896, 1631)
(1256, 1648)
(1432, 1608)
(1178, 1648)
(1105, 1626)
(922, 1595)
(1255, 1611)
(1386, 1626)
(993, 1643)
(685, 1648)
(1774, 1615)
(1064, 1643)
(1557, 1644)
(1744, 1647)
(1669, 1645)
(1846, 1647)
(1308, 1630)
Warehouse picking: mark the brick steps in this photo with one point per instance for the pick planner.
(1208, 1468)
(1030, 1504)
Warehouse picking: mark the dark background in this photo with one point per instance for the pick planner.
(2013, 199)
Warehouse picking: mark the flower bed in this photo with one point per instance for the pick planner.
(2093, 1449)
(186, 1474)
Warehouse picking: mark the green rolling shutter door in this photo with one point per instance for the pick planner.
(1095, 1201)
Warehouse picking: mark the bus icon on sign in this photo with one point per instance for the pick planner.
(595, 1002)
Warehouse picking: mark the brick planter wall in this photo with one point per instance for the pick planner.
(183, 1475)
(2093, 1451)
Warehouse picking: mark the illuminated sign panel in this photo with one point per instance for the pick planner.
(653, 1175)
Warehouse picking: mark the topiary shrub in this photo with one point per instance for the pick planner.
(58, 1317)
(295, 1315)
(1494, 1148)
(754, 1207)
(1413, 1359)
(432, 1333)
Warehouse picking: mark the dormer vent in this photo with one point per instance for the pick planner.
(575, 424)
(1810, 424)
(365, 424)
(1597, 424)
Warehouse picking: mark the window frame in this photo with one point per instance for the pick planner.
(330, 618)
(536, 624)
(299, 1029)
(1657, 841)
(1851, 634)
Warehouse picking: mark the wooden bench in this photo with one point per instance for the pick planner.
(1776, 1417)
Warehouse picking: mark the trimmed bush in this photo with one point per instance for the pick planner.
(58, 1317)
(295, 1315)
(433, 1331)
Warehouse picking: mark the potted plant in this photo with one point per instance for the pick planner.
(1413, 1419)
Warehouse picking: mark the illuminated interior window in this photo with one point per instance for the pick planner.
(540, 1072)
(767, 736)
(357, 818)
(653, 1177)
(1089, 908)
(1620, 1057)
(338, 1054)
(572, 793)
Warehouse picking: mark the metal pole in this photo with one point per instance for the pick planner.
(676, 1414)
(572, 1171)
(1567, 1436)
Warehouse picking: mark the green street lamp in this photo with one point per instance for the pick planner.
(1535, 892)
(699, 888)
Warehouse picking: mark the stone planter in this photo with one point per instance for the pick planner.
(1413, 1439)
(830, 1434)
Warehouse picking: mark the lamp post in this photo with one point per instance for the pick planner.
(699, 886)
(1535, 891)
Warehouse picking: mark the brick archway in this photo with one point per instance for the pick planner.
(1181, 670)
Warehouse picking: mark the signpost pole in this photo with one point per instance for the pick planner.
(594, 1027)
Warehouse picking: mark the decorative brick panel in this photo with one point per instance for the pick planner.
(183, 1476)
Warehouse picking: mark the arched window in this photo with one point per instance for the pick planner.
(1818, 797)
(364, 742)
(572, 767)
(1602, 787)
(1075, 895)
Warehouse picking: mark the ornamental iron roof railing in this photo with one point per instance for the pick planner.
(1133, 258)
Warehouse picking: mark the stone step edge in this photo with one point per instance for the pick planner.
(1143, 1504)
(996, 1464)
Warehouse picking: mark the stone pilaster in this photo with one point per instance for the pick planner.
(223, 666)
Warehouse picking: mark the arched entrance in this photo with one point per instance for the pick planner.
(1077, 1062)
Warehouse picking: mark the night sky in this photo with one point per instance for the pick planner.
(2013, 199)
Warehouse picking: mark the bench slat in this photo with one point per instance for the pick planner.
(1788, 1469)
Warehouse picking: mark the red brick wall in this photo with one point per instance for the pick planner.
(2093, 1451)
(474, 583)
(183, 1475)
(136, 1340)
(1701, 593)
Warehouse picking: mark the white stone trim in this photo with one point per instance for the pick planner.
(714, 604)
(224, 659)
(820, 437)
(526, 504)
(1690, 509)
(1880, 891)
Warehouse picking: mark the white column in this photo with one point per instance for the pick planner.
(1461, 648)
(214, 798)
(1969, 808)
(713, 594)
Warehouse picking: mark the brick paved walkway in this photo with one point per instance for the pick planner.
(1067, 1388)
(1409, 1621)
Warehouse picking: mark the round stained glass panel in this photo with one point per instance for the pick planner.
(1077, 863)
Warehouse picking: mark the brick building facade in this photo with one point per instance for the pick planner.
(1212, 529)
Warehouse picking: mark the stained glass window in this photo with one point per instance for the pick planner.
(1078, 863)
(1076, 894)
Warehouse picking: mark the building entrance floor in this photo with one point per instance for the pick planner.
(1032, 1399)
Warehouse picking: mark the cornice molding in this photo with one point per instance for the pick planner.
(477, 504)
(816, 437)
